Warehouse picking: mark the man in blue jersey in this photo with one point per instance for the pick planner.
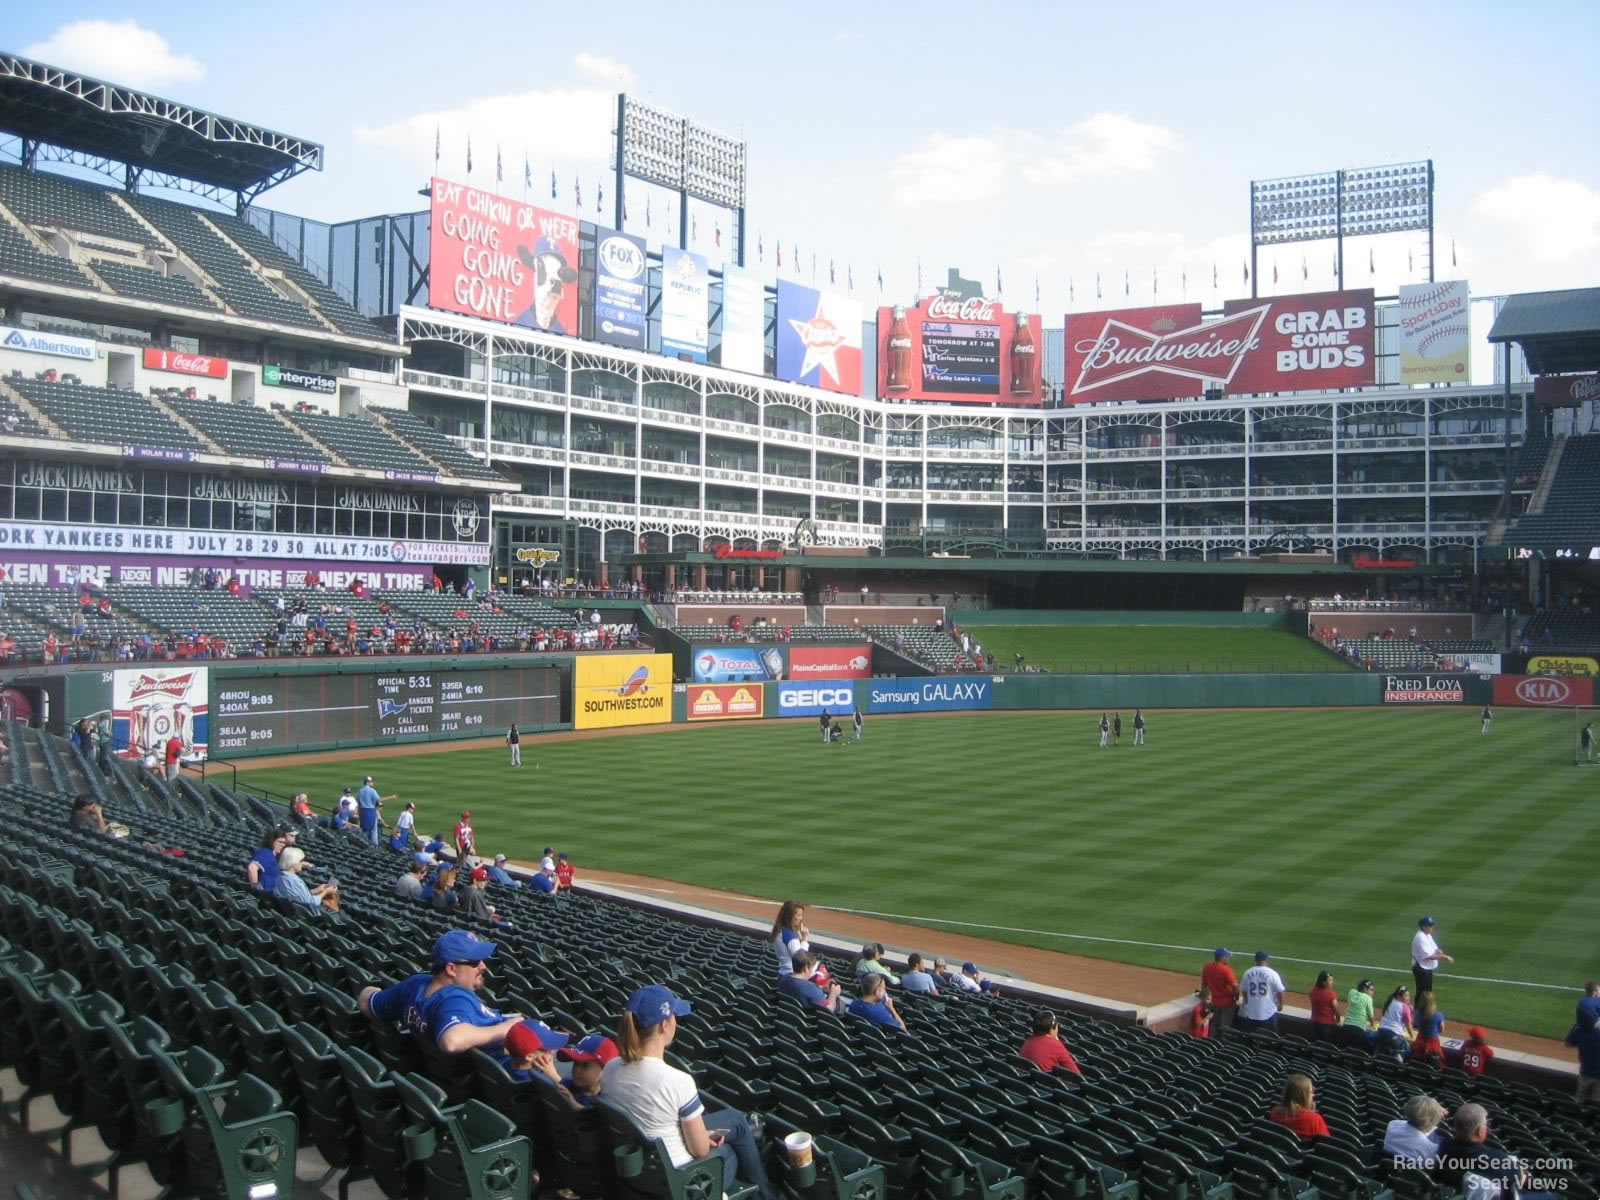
(368, 802)
(457, 957)
(452, 1016)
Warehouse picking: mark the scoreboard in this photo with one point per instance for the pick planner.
(277, 713)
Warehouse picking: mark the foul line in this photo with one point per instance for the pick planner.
(1086, 937)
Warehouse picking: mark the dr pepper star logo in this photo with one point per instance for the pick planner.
(822, 340)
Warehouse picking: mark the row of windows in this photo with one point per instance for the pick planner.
(163, 512)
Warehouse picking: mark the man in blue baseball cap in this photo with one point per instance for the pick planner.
(1261, 989)
(1425, 955)
(401, 1004)
(552, 275)
(452, 1016)
(664, 1102)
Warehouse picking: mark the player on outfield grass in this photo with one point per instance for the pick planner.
(1116, 730)
(1488, 717)
(1586, 742)
(826, 722)
(1138, 727)
(514, 741)
(1105, 731)
(858, 721)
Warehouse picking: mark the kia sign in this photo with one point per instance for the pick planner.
(1290, 343)
(945, 694)
(490, 256)
(1425, 689)
(725, 702)
(1544, 691)
(619, 289)
(156, 359)
(735, 664)
(814, 699)
(830, 662)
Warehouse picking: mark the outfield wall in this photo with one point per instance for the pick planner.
(1124, 618)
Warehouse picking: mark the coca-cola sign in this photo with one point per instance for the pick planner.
(1567, 391)
(176, 361)
(957, 348)
(1287, 343)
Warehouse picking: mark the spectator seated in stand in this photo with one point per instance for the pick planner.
(871, 963)
(1414, 1140)
(1298, 1108)
(292, 888)
(498, 873)
(262, 869)
(803, 987)
(874, 1003)
(409, 885)
(916, 979)
(1044, 1048)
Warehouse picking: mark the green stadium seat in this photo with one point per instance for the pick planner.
(330, 1118)
(1166, 1175)
(948, 1171)
(237, 1138)
(841, 1172)
(468, 1151)
(382, 1120)
(642, 1170)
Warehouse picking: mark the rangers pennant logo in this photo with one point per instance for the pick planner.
(174, 687)
(1209, 351)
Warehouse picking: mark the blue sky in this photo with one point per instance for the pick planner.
(1057, 140)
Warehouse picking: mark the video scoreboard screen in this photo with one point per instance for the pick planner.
(278, 713)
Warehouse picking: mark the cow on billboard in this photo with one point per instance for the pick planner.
(501, 259)
(1288, 343)
(818, 339)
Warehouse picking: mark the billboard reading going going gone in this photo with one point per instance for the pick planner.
(501, 259)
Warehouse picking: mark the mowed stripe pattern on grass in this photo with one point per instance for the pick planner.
(1146, 647)
(1314, 834)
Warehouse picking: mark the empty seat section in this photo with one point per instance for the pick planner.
(428, 440)
(53, 202)
(105, 415)
(244, 429)
(361, 443)
(145, 283)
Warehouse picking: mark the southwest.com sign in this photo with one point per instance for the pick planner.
(621, 689)
(947, 694)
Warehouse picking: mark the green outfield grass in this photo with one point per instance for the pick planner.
(1316, 834)
(1180, 649)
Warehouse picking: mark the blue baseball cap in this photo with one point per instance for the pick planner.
(594, 1048)
(1427, 921)
(1222, 952)
(969, 968)
(461, 946)
(527, 1036)
(654, 1004)
(1262, 956)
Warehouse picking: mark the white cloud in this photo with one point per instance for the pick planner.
(1550, 219)
(565, 128)
(607, 70)
(118, 52)
(952, 172)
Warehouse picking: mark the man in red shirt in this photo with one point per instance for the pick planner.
(1224, 985)
(1045, 1049)
(465, 846)
(174, 757)
(564, 872)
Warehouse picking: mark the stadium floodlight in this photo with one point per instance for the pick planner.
(1359, 201)
(661, 147)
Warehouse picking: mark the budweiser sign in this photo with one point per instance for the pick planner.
(1566, 391)
(1288, 343)
(954, 308)
(156, 359)
(173, 687)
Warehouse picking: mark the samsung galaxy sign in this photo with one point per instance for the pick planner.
(931, 695)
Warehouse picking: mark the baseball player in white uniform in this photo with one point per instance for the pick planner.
(1138, 727)
(1105, 731)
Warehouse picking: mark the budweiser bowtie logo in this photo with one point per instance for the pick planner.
(950, 308)
(1210, 351)
(173, 686)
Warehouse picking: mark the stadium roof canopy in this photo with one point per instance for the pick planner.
(1559, 332)
(160, 142)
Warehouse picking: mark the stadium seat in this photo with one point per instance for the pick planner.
(330, 1118)
(236, 1135)
(642, 1169)
(469, 1150)
(949, 1171)
(1165, 1175)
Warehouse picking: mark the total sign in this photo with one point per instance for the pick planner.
(811, 700)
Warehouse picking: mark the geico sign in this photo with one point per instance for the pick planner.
(817, 698)
(1544, 691)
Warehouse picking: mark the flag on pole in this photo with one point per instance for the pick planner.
(1372, 263)
(499, 170)
(1071, 296)
(1127, 282)
(1305, 268)
(527, 175)
(436, 148)
(694, 228)
(999, 284)
(830, 272)
(1274, 270)
(552, 183)
(919, 279)
(718, 231)
(1213, 274)
(1452, 252)
(780, 253)
(646, 207)
(880, 279)
(1155, 282)
(1410, 267)
(600, 197)
(469, 154)
(577, 192)
(1247, 273)
(761, 249)
(1036, 303)
(813, 266)
(1097, 294)
(850, 279)
(1183, 283)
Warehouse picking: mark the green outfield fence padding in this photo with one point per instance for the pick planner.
(1306, 690)
(1123, 618)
